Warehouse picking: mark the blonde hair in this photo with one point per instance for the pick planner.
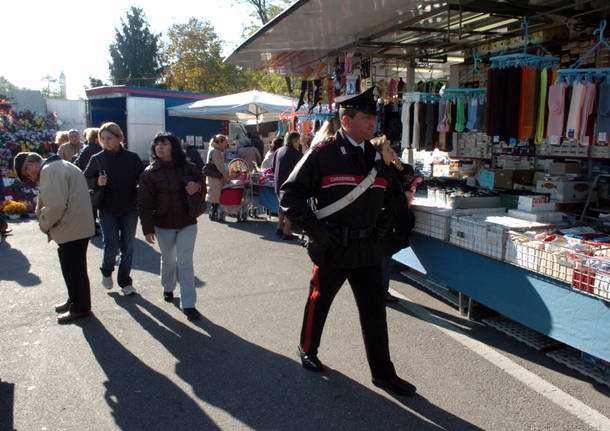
(378, 142)
(217, 139)
(61, 137)
(91, 134)
(328, 129)
(113, 128)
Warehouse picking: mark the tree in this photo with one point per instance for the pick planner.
(135, 57)
(193, 62)
(5, 84)
(95, 82)
(52, 90)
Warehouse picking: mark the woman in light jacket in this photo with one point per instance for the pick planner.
(216, 156)
(163, 208)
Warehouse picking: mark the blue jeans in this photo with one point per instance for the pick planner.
(118, 231)
(386, 271)
(177, 248)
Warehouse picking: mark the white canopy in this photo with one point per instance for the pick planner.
(248, 105)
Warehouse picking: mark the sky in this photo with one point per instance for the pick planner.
(49, 37)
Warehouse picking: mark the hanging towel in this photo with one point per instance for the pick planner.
(586, 132)
(513, 102)
(473, 106)
(541, 107)
(405, 141)
(442, 110)
(603, 112)
(430, 127)
(528, 103)
(556, 103)
(579, 92)
(460, 116)
(445, 126)
(479, 124)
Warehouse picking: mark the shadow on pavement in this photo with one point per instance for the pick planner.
(259, 388)
(15, 266)
(146, 257)
(140, 398)
(265, 230)
(7, 401)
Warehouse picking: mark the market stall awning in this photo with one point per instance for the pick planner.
(240, 106)
(392, 30)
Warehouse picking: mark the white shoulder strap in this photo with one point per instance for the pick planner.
(348, 198)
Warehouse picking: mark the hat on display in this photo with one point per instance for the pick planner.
(364, 102)
(18, 162)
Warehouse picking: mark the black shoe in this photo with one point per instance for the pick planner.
(389, 298)
(289, 237)
(191, 313)
(310, 362)
(168, 296)
(397, 385)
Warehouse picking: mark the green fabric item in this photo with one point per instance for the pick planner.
(541, 107)
(460, 116)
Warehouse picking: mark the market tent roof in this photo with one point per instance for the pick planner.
(240, 106)
(391, 30)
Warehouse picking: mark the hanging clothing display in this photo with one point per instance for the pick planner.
(406, 116)
(513, 102)
(586, 119)
(528, 102)
(603, 112)
(460, 116)
(540, 117)
(579, 92)
(556, 104)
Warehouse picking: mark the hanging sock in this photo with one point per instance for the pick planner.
(460, 116)
(302, 95)
(541, 107)
(574, 114)
(473, 106)
(317, 94)
(586, 132)
(445, 118)
(603, 113)
(556, 103)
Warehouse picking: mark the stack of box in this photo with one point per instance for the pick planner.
(536, 208)
(563, 189)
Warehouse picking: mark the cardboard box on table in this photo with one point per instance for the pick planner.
(564, 190)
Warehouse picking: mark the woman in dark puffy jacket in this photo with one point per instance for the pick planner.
(116, 170)
(163, 209)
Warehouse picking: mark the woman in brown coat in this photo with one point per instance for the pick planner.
(216, 156)
(163, 209)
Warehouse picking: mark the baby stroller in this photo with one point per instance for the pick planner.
(236, 198)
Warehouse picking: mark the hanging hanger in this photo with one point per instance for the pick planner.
(524, 59)
(573, 73)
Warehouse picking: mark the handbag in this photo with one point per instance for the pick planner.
(195, 202)
(97, 195)
(210, 169)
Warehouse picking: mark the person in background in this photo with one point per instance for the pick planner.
(193, 155)
(117, 171)
(328, 129)
(344, 244)
(64, 214)
(257, 142)
(276, 144)
(305, 143)
(250, 154)
(71, 148)
(396, 218)
(218, 144)
(284, 161)
(61, 137)
(93, 147)
(163, 209)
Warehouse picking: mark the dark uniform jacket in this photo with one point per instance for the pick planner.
(397, 215)
(162, 197)
(123, 168)
(327, 173)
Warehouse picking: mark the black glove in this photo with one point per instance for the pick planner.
(384, 224)
(321, 234)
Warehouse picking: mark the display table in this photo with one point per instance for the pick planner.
(541, 303)
(268, 199)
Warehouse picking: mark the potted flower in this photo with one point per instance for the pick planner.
(14, 210)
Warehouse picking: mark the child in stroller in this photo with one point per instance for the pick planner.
(236, 196)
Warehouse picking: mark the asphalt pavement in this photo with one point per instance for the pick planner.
(139, 364)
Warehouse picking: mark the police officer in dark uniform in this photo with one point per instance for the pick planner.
(344, 245)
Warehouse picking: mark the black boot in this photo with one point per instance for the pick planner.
(214, 212)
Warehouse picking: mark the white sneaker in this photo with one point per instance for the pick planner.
(128, 290)
(107, 282)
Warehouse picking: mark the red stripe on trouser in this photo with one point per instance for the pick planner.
(310, 311)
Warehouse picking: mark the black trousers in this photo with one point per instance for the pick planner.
(370, 299)
(73, 262)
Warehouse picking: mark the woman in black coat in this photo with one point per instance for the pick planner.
(284, 161)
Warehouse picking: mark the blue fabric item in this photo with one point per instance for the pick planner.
(603, 110)
(118, 232)
(473, 106)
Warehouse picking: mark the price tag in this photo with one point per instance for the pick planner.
(602, 137)
(555, 140)
(496, 139)
(513, 142)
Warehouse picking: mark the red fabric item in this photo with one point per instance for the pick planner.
(230, 197)
(392, 88)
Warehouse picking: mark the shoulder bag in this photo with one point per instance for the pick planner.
(210, 169)
(97, 195)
